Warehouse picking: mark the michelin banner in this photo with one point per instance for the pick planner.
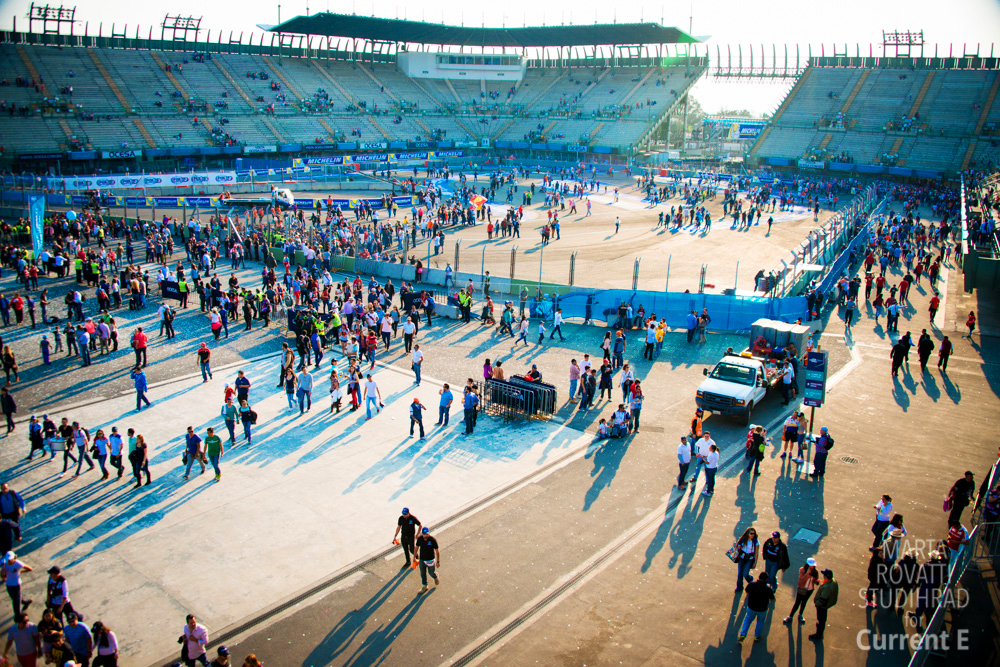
(139, 181)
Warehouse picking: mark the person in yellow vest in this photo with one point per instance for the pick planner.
(184, 288)
(78, 265)
(95, 272)
(335, 324)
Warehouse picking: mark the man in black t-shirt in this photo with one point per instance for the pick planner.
(406, 530)
(430, 557)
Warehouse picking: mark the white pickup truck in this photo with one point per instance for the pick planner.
(736, 385)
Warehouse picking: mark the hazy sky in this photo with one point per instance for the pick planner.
(725, 22)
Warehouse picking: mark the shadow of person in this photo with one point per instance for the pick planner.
(686, 533)
(607, 459)
(900, 395)
(950, 388)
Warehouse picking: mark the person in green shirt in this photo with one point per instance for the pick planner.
(214, 449)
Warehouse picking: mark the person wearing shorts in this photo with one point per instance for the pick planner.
(790, 436)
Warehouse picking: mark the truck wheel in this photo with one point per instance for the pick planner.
(748, 415)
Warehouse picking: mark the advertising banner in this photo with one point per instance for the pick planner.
(121, 155)
(36, 215)
(138, 181)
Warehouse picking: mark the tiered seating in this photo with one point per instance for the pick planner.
(12, 67)
(939, 124)
(74, 67)
(143, 77)
(31, 135)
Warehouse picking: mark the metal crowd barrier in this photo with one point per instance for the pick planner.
(544, 402)
(502, 399)
(930, 639)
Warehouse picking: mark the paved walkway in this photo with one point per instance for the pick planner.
(309, 496)
(602, 562)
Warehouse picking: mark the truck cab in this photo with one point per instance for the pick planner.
(282, 198)
(734, 386)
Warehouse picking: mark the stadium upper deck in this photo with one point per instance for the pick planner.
(64, 93)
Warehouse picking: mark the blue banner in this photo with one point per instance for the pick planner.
(36, 214)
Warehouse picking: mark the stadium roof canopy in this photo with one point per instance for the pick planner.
(417, 32)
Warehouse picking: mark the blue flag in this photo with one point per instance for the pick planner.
(36, 214)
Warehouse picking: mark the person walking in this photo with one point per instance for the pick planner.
(11, 570)
(407, 527)
(759, 596)
(747, 548)
(522, 332)
(229, 413)
(416, 361)
(373, 397)
(141, 386)
(417, 417)
(883, 515)
(11, 508)
(775, 555)
(444, 408)
(960, 495)
(683, 461)
(898, 356)
(574, 379)
(79, 639)
(557, 325)
(193, 450)
(204, 355)
(139, 457)
(24, 637)
(57, 595)
(701, 448)
(430, 558)
(81, 438)
(808, 578)
(195, 640)
(304, 391)
(249, 418)
(825, 600)
(9, 408)
(214, 449)
(877, 578)
(925, 346)
(970, 324)
(139, 342)
(944, 352)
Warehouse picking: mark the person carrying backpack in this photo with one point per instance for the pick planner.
(823, 446)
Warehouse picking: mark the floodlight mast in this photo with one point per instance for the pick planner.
(52, 18)
(903, 43)
(179, 27)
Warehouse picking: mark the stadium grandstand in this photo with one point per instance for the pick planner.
(331, 82)
(902, 115)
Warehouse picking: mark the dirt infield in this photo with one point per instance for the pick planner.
(605, 259)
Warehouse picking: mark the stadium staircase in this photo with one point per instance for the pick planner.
(147, 137)
(983, 114)
(780, 110)
(423, 126)
(111, 82)
(503, 128)
(896, 145)
(371, 75)
(273, 128)
(451, 87)
(30, 66)
(207, 124)
(170, 75)
(236, 86)
(920, 96)
(329, 130)
(595, 133)
(465, 127)
(545, 90)
(67, 130)
(329, 77)
(420, 87)
(826, 141)
(854, 92)
(639, 84)
(281, 77)
(548, 128)
(380, 129)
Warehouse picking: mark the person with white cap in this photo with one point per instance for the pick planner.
(808, 578)
(11, 570)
